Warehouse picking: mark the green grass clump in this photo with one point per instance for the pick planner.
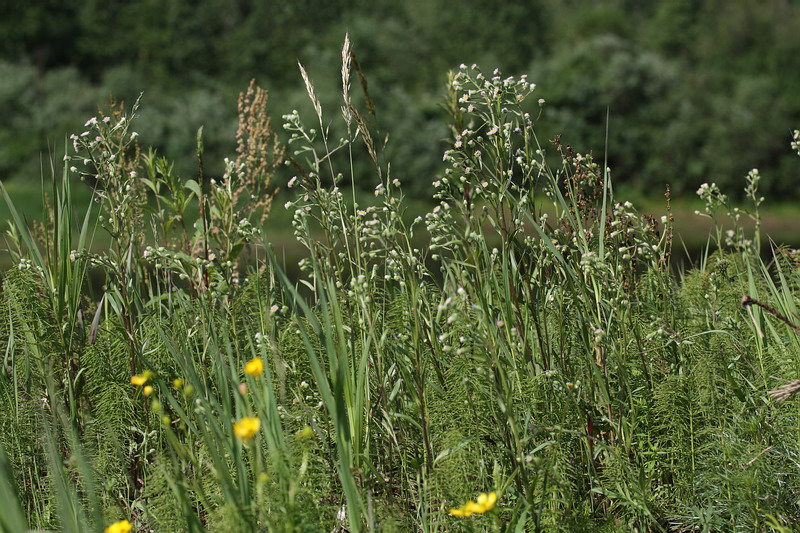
(548, 357)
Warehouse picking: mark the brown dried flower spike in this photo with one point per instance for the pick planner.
(258, 151)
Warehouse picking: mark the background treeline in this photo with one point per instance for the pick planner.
(696, 90)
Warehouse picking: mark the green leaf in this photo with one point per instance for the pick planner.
(194, 187)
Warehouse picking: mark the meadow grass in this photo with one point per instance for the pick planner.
(522, 357)
(780, 221)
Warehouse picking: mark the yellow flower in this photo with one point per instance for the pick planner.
(460, 512)
(123, 526)
(305, 433)
(148, 390)
(246, 428)
(177, 383)
(141, 379)
(254, 367)
(485, 503)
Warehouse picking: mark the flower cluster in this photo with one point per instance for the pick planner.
(713, 198)
(493, 163)
(107, 154)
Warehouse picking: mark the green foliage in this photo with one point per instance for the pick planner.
(552, 358)
(695, 91)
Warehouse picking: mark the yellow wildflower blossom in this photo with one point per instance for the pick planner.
(177, 383)
(460, 512)
(246, 428)
(148, 390)
(254, 367)
(305, 433)
(485, 503)
(123, 526)
(141, 379)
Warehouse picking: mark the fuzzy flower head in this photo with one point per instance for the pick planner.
(254, 367)
(123, 526)
(141, 379)
(246, 428)
(485, 502)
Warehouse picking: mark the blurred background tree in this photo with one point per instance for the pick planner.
(696, 90)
